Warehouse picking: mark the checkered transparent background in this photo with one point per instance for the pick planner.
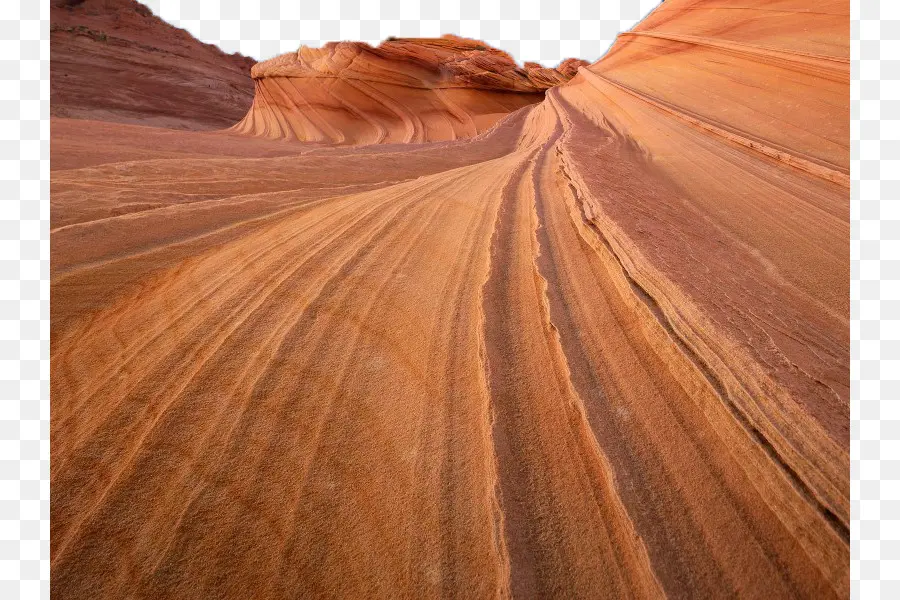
(544, 31)
(24, 299)
(875, 299)
(531, 30)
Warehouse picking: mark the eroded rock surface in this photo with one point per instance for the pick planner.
(404, 90)
(114, 60)
(598, 349)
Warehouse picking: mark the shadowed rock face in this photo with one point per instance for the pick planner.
(114, 60)
(404, 90)
(597, 350)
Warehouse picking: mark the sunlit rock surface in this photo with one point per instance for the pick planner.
(596, 349)
(404, 90)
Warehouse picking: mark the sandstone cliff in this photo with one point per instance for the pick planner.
(404, 90)
(113, 60)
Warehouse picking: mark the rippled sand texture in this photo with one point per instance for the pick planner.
(598, 350)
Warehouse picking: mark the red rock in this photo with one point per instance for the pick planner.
(598, 350)
(116, 61)
(404, 90)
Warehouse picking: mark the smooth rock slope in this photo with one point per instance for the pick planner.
(599, 349)
(114, 60)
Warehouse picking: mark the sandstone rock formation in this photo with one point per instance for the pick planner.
(116, 61)
(598, 350)
(404, 90)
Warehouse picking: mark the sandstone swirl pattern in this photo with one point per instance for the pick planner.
(405, 90)
(598, 349)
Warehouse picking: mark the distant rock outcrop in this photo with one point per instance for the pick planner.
(404, 90)
(114, 60)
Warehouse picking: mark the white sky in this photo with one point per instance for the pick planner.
(544, 31)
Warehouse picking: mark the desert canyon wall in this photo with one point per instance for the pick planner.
(590, 344)
(404, 90)
(114, 60)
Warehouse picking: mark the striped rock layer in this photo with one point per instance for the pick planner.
(597, 350)
(404, 90)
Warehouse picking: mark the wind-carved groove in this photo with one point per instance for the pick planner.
(518, 554)
(532, 396)
(642, 564)
(797, 482)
